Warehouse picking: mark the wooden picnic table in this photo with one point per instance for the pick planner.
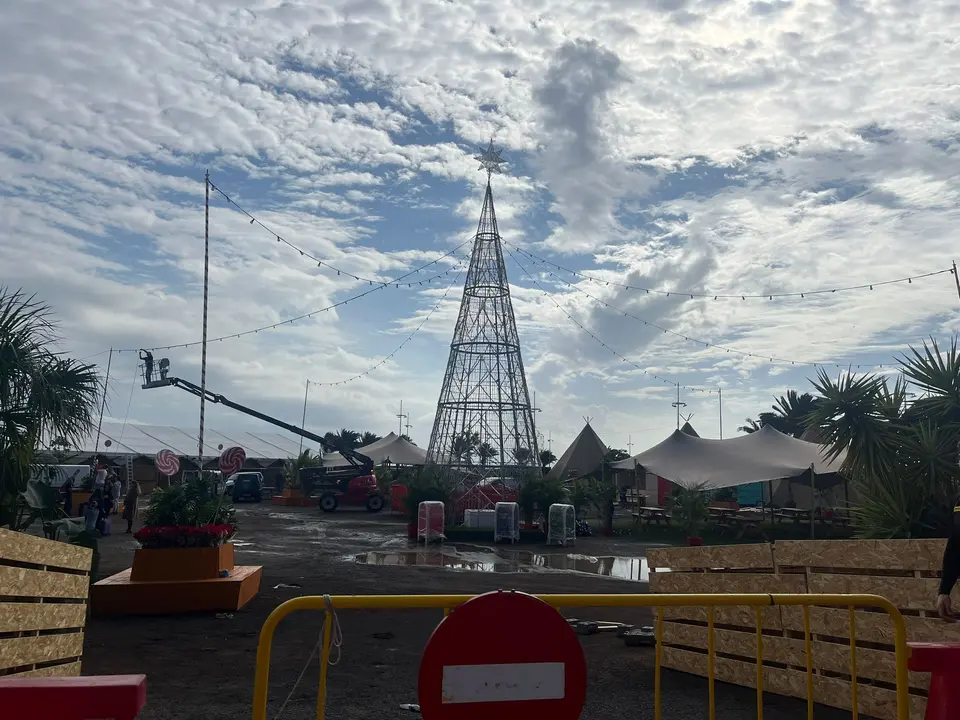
(647, 515)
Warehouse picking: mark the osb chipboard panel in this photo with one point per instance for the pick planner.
(17, 652)
(21, 547)
(914, 555)
(737, 615)
(876, 702)
(766, 583)
(26, 582)
(16, 617)
(833, 657)
(71, 669)
(905, 592)
(874, 627)
(757, 555)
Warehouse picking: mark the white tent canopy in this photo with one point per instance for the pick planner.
(392, 448)
(767, 454)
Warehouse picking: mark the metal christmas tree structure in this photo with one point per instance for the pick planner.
(484, 422)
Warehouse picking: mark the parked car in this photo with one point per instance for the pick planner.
(245, 485)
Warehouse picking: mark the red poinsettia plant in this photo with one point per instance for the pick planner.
(181, 536)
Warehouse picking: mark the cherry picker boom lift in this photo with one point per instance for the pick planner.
(354, 483)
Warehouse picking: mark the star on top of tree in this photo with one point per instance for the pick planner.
(490, 159)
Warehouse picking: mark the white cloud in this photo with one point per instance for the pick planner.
(733, 147)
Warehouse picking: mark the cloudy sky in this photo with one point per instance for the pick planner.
(696, 147)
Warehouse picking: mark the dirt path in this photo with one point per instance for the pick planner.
(202, 666)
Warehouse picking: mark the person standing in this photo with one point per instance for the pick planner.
(950, 571)
(130, 503)
(116, 490)
(67, 490)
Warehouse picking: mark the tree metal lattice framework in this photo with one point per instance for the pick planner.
(484, 423)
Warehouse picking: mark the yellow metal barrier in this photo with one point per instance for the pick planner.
(711, 601)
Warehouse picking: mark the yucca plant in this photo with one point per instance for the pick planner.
(293, 466)
(690, 507)
(901, 455)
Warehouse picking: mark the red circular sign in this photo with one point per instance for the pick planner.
(504, 654)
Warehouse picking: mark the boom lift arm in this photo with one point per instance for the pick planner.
(362, 464)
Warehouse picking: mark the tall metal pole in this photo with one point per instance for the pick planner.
(103, 405)
(956, 277)
(303, 420)
(400, 419)
(206, 286)
(720, 396)
(678, 406)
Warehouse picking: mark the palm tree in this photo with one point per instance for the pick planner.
(344, 439)
(902, 455)
(368, 438)
(790, 414)
(522, 455)
(486, 452)
(464, 446)
(547, 459)
(42, 393)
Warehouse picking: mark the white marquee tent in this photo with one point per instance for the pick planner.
(764, 455)
(392, 448)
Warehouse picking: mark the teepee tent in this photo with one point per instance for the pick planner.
(584, 456)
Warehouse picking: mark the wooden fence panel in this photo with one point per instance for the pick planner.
(903, 571)
(39, 638)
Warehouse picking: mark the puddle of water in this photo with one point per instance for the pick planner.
(511, 561)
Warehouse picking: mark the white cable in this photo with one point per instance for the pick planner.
(336, 641)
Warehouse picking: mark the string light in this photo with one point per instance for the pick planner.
(401, 345)
(717, 296)
(323, 263)
(764, 358)
(232, 336)
(602, 344)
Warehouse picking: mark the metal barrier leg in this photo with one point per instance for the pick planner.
(656, 669)
(759, 663)
(711, 663)
(324, 664)
(854, 689)
(808, 651)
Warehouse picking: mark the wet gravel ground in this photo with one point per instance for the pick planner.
(202, 666)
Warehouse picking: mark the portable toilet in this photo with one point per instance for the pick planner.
(561, 524)
(430, 521)
(506, 524)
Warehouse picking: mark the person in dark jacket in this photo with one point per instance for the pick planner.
(950, 572)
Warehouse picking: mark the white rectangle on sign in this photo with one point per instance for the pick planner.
(510, 682)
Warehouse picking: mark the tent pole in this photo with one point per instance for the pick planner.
(813, 503)
(720, 399)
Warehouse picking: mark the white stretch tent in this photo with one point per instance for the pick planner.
(767, 454)
(392, 447)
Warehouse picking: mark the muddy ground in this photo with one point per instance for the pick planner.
(202, 666)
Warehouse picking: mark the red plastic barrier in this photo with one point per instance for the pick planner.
(120, 697)
(398, 498)
(942, 661)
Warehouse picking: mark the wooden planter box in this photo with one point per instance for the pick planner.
(290, 497)
(181, 563)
